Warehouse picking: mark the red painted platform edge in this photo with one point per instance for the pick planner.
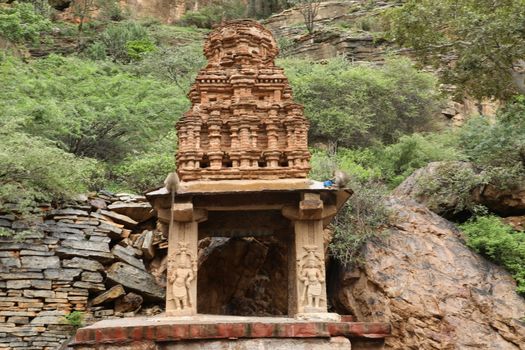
(178, 332)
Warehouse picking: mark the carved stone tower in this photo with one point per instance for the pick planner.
(243, 123)
(243, 160)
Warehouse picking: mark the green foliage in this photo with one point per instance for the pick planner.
(499, 143)
(365, 214)
(364, 217)
(89, 109)
(213, 14)
(357, 105)
(177, 65)
(397, 161)
(32, 168)
(500, 243)
(75, 319)
(122, 42)
(20, 23)
(147, 170)
(452, 185)
(136, 49)
(483, 37)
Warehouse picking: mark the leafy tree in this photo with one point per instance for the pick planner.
(123, 42)
(309, 9)
(499, 143)
(20, 22)
(357, 105)
(32, 168)
(178, 65)
(500, 243)
(214, 13)
(89, 109)
(480, 44)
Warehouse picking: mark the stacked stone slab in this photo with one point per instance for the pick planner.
(243, 123)
(60, 259)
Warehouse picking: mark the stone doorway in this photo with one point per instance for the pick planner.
(243, 263)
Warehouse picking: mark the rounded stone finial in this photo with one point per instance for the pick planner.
(241, 42)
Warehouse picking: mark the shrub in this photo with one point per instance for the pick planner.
(213, 14)
(148, 170)
(498, 143)
(452, 185)
(89, 109)
(116, 39)
(177, 65)
(21, 23)
(33, 169)
(397, 161)
(487, 235)
(358, 106)
(75, 319)
(364, 217)
(136, 49)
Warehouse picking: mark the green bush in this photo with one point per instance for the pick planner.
(358, 105)
(499, 143)
(177, 65)
(451, 184)
(20, 22)
(364, 217)
(136, 49)
(75, 319)
(33, 169)
(116, 39)
(213, 14)
(148, 170)
(90, 109)
(399, 160)
(487, 235)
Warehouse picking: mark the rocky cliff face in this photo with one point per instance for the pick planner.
(436, 293)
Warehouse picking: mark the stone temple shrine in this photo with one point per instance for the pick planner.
(243, 163)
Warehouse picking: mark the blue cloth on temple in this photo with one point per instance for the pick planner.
(328, 183)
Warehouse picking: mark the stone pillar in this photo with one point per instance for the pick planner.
(307, 266)
(181, 294)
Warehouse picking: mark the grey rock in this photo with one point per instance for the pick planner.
(124, 255)
(68, 211)
(85, 264)
(10, 262)
(139, 212)
(88, 276)
(86, 245)
(135, 279)
(62, 274)
(92, 287)
(40, 262)
(119, 218)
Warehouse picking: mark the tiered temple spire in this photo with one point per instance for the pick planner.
(243, 123)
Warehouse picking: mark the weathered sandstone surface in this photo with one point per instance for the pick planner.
(505, 202)
(436, 293)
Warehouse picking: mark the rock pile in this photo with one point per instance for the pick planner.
(92, 256)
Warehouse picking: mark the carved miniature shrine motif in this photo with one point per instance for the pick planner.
(243, 123)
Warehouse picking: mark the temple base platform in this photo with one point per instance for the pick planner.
(229, 333)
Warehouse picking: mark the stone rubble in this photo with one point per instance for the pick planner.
(62, 260)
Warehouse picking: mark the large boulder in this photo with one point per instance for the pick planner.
(436, 292)
(504, 202)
